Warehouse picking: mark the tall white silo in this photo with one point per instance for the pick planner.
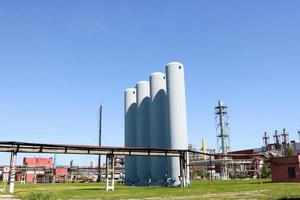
(130, 134)
(177, 114)
(143, 130)
(159, 123)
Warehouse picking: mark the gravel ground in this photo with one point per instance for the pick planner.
(8, 197)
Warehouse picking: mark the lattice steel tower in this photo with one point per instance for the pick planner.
(223, 140)
(222, 128)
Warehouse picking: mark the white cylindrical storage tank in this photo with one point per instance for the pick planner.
(177, 114)
(143, 130)
(159, 122)
(130, 134)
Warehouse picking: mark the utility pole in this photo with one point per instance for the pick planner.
(100, 134)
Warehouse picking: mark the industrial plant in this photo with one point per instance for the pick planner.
(149, 100)
(156, 150)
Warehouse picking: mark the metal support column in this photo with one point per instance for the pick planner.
(110, 172)
(183, 170)
(10, 164)
(187, 168)
(12, 172)
(210, 165)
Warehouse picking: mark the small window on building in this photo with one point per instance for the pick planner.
(292, 172)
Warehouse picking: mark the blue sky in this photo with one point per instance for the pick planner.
(59, 60)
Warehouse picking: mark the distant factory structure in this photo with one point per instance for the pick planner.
(155, 117)
(281, 145)
(281, 156)
(284, 156)
(44, 170)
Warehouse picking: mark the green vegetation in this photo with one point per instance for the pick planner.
(265, 171)
(41, 196)
(203, 189)
(200, 172)
(289, 152)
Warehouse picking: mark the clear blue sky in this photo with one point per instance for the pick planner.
(60, 59)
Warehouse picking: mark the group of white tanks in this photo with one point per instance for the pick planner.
(155, 117)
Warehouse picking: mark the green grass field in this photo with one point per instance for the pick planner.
(231, 189)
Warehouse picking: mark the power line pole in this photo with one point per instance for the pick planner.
(100, 134)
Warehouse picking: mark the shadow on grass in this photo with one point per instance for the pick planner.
(263, 182)
(289, 198)
(91, 189)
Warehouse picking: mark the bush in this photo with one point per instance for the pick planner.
(200, 172)
(265, 171)
(41, 196)
(289, 152)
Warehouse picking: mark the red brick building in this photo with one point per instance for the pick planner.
(38, 162)
(38, 169)
(61, 174)
(285, 169)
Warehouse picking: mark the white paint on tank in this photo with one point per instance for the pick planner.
(159, 123)
(177, 114)
(143, 130)
(130, 134)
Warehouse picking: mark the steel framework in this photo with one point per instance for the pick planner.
(23, 147)
(110, 152)
(223, 140)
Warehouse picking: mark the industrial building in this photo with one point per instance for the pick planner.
(36, 170)
(245, 166)
(285, 169)
(43, 170)
(246, 163)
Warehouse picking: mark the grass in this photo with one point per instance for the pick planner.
(217, 189)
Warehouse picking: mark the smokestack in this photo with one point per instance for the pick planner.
(130, 133)
(177, 114)
(266, 141)
(143, 130)
(204, 148)
(159, 122)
